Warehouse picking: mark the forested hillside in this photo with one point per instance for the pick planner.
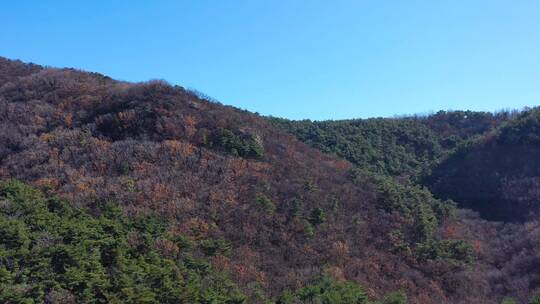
(482, 161)
(57, 253)
(499, 174)
(407, 146)
(146, 193)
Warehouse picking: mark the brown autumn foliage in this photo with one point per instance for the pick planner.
(213, 171)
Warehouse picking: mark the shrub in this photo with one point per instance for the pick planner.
(326, 291)
(243, 145)
(317, 216)
(266, 203)
(213, 247)
(398, 297)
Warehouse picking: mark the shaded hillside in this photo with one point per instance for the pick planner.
(497, 175)
(407, 146)
(273, 213)
(482, 161)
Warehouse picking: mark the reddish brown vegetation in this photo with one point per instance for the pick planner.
(159, 149)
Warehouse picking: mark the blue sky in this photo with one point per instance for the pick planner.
(297, 59)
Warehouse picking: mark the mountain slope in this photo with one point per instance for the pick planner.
(53, 252)
(407, 146)
(498, 175)
(271, 212)
(480, 160)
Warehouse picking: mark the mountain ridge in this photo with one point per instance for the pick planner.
(258, 204)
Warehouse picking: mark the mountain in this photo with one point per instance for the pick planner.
(482, 161)
(406, 146)
(497, 175)
(148, 192)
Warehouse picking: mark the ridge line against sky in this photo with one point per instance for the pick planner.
(297, 59)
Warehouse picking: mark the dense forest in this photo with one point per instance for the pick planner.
(484, 162)
(400, 147)
(117, 192)
(499, 174)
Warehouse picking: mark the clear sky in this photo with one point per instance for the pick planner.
(316, 59)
